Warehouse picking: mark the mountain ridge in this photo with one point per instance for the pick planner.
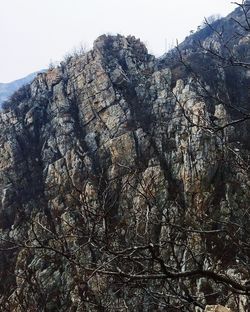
(124, 184)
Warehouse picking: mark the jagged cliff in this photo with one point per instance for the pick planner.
(117, 191)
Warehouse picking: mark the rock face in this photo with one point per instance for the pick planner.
(217, 308)
(114, 187)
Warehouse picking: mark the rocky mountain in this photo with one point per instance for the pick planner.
(7, 89)
(124, 179)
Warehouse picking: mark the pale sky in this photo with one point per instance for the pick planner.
(35, 32)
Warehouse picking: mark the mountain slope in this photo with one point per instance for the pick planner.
(7, 89)
(123, 186)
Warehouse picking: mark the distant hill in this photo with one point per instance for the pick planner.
(7, 89)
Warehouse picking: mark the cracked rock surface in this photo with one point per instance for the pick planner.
(105, 151)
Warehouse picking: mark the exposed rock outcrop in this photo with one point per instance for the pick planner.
(217, 308)
(112, 183)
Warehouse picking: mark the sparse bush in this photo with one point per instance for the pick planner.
(77, 51)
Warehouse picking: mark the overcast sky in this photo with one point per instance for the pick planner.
(35, 32)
